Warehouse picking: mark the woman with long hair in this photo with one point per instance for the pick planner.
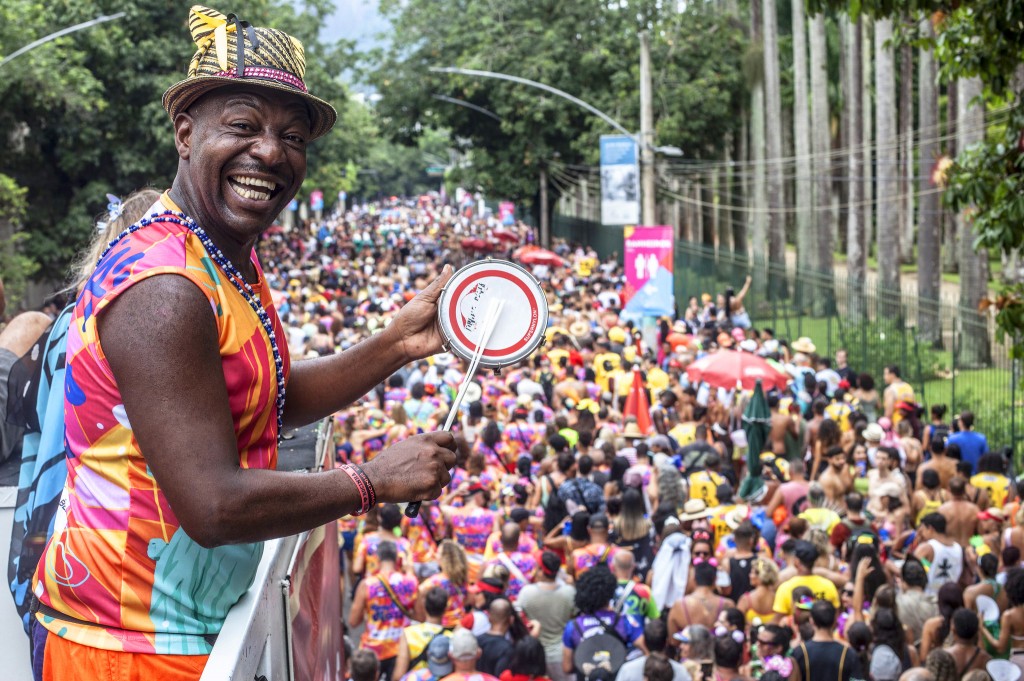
(614, 486)
(451, 558)
(867, 397)
(633, 531)
(936, 630)
(528, 662)
(889, 633)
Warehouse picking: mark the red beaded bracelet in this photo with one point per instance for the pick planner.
(367, 495)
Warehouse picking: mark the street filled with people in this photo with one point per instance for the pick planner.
(629, 503)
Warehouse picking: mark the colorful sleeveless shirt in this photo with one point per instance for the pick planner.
(119, 573)
(384, 619)
(456, 597)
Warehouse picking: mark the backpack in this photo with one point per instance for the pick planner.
(554, 510)
(604, 651)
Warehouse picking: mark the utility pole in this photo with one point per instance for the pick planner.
(545, 227)
(647, 179)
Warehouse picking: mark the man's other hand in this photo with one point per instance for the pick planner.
(413, 470)
(414, 329)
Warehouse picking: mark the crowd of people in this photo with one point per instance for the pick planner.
(573, 542)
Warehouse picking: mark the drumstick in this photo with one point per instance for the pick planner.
(490, 322)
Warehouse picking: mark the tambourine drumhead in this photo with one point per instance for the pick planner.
(463, 306)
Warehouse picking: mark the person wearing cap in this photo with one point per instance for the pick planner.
(599, 549)
(806, 555)
(384, 602)
(414, 646)
(464, 652)
(176, 381)
(438, 664)
(551, 603)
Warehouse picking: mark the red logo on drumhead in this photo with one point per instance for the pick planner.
(467, 310)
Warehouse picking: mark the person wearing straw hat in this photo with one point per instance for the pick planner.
(176, 378)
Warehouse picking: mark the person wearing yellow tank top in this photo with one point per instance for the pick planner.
(412, 649)
(990, 477)
(897, 390)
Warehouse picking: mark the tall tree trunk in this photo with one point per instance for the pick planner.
(723, 193)
(806, 244)
(856, 238)
(950, 249)
(759, 197)
(906, 207)
(975, 350)
(929, 235)
(822, 147)
(867, 72)
(705, 196)
(888, 171)
(739, 186)
(773, 138)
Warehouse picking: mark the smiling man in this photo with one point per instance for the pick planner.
(179, 382)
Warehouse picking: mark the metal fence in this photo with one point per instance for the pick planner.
(951, 355)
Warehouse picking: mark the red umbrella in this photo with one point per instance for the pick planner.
(275, 229)
(637, 405)
(475, 244)
(523, 250)
(541, 256)
(506, 235)
(726, 368)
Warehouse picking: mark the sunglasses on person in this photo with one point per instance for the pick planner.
(761, 642)
(701, 554)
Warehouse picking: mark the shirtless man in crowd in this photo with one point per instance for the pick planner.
(942, 464)
(836, 479)
(961, 515)
(781, 425)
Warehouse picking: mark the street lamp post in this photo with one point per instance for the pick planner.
(57, 34)
(644, 140)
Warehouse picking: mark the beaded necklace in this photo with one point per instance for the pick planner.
(233, 275)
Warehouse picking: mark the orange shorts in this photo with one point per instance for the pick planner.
(65, 660)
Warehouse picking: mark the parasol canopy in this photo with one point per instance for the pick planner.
(506, 235)
(726, 368)
(539, 256)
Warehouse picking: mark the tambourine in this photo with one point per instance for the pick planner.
(463, 305)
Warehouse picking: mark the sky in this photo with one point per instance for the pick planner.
(356, 20)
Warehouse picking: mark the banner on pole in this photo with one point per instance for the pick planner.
(648, 255)
(620, 180)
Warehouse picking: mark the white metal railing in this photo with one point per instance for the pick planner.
(255, 640)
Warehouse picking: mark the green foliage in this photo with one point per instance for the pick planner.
(15, 267)
(82, 114)
(587, 48)
(983, 39)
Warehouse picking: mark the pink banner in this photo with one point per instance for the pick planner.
(649, 276)
(315, 608)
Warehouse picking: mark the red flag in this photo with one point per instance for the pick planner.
(637, 405)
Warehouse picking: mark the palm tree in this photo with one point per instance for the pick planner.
(906, 209)
(822, 147)
(853, 104)
(806, 246)
(929, 235)
(868, 130)
(975, 350)
(888, 171)
(773, 137)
